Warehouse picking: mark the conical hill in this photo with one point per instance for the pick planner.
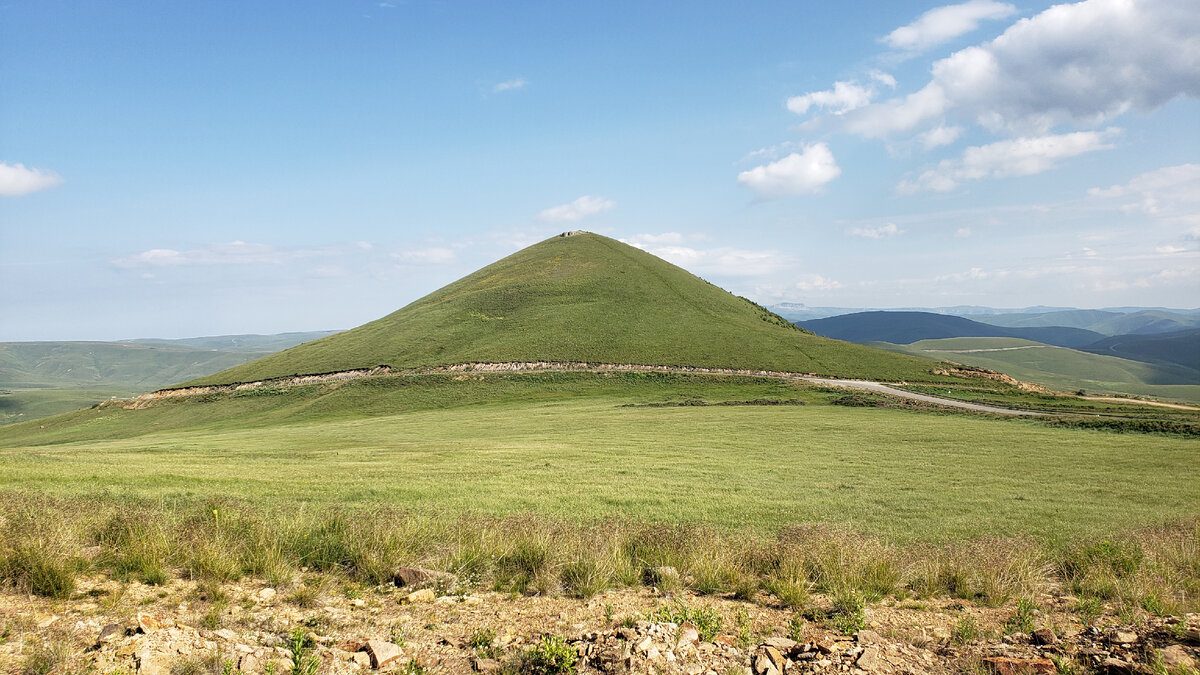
(582, 297)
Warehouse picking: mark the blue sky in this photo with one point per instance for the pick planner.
(174, 168)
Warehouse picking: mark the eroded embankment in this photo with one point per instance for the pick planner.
(505, 367)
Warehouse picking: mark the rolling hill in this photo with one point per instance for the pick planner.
(45, 378)
(1061, 368)
(908, 327)
(1181, 348)
(581, 297)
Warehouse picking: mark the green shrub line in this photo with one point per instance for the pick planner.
(46, 541)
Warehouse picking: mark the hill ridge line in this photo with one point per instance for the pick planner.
(145, 400)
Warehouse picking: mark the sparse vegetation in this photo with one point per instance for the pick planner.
(551, 656)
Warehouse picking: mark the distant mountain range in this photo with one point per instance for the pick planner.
(1107, 321)
(1177, 348)
(906, 327)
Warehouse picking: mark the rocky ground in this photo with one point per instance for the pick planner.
(422, 624)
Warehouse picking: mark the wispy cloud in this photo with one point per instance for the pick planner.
(881, 232)
(798, 173)
(436, 255)
(231, 253)
(1016, 157)
(510, 85)
(17, 180)
(1171, 193)
(816, 282)
(943, 24)
(579, 209)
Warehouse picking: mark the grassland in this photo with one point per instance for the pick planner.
(582, 298)
(1061, 368)
(568, 446)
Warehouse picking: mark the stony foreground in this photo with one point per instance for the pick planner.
(324, 625)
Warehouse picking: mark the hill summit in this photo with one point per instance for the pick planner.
(580, 296)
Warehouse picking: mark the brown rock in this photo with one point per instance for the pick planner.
(485, 665)
(110, 632)
(764, 666)
(381, 653)
(148, 623)
(1113, 666)
(423, 595)
(1005, 665)
(1176, 657)
(870, 660)
(419, 576)
(688, 635)
(868, 637)
(1120, 636)
(781, 643)
(725, 640)
(613, 660)
(1044, 636)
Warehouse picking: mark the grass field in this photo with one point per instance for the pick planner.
(567, 446)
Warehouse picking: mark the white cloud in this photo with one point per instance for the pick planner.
(942, 24)
(17, 180)
(816, 282)
(973, 274)
(1170, 249)
(232, 253)
(1014, 157)
(1171, 193)
(962, 233)
(426, 256)
(939, 136)
(798, 173)
(844, 97)
(643, 240)
(1085, 62)
(510, 85)
(881, 232)
(583, 207)
(883, 78)
(722, 261)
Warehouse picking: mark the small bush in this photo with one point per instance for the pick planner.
(1022, 619)
(965, 631)
(849, 612)
(706, 619)
(551, 656)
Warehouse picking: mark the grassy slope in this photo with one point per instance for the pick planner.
(561, 444)
(581, 298)
(1061, 368)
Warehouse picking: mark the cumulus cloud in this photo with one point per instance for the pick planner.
(1014, 157)
(1086, 62)
(17, 180)
(881, 232)
(579, 209)
(426, 256)
(816, 282)
(510, 85)
(798, 173)
(942, 24)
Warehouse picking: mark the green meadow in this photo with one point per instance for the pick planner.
(588, 447)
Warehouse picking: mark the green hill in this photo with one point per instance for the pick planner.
(582, 297)
(1061, 368)
(45, 378)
